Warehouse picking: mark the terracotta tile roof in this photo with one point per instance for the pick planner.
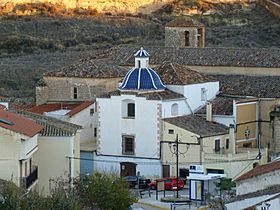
(74, 107)
(198, 125)
(2, 107)
(79, 108)
(184, 22)
(259, 170)
(256, 86)
(90, 68)
(51, 126)
(19, 124)
(158, 95)
(176, 74)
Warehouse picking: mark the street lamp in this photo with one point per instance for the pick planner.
(174, 149)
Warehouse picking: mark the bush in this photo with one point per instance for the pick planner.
(104, 191)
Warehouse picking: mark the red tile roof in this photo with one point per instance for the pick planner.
(259, 170)
(19, 124)
(2, 107)
(79, 108)
(75, 108)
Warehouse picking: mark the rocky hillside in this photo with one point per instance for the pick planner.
(112, 6)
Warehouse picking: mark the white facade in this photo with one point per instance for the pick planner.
(144, 127)
(86, 118)
(197, 94)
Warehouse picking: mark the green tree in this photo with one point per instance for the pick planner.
(105, 192)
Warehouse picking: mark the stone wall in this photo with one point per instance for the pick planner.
(175, 36)
(62, 88)
(112, 6)
(271, 6)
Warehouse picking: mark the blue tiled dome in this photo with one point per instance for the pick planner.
(145, 79)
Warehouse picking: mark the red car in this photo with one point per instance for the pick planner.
(170, 183)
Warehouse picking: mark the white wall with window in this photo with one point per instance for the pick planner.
(134, 137)
(87, 118)
(197, 94)
(173, 108)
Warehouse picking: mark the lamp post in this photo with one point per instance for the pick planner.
(174, 149)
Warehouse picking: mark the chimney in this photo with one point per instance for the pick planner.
(209, 111)
(232, 137)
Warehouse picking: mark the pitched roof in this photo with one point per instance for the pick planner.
(260, 170)
(74, 107)
(257, 86)
(198, 125)
(221, 105)
(19, 124)
(268, 191)
(158, 95)
(184, 22)
(212, 56)
(90, 68)
(176, 74)
(51, 126)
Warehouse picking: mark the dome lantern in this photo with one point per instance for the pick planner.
(141, 58)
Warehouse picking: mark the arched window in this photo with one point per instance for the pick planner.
(174, 109)
(128, 108)
(187, 38)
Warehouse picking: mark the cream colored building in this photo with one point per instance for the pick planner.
(18, 147)
(59, 151)
(211, 144)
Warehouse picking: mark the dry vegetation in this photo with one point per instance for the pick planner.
(36, 38)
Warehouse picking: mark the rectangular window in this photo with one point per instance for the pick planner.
(227, 143)
(170, 131)
(91, 112)
(130, 110)
(203, 94)
(128, 145)
(95, 132)
(187, 38)
(217, 145)
(75, 93)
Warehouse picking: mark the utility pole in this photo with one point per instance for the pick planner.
(177, 165)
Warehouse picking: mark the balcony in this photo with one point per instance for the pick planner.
(27, 181)
(241, 154)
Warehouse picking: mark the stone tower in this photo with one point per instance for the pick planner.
(184, 32)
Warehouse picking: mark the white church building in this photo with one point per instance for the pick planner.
(130, 118)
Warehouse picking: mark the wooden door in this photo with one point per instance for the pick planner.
(165, 171)
(128, 169)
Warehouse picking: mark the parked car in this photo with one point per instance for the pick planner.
(133, 182)
(170, 183)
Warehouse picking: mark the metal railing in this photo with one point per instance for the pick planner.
(31, 178)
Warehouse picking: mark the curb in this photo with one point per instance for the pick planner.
(152, 205)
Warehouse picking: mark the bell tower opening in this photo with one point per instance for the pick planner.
(187, 38)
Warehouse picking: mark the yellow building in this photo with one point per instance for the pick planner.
(58, 151)
(18, 146)
(211, 144)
